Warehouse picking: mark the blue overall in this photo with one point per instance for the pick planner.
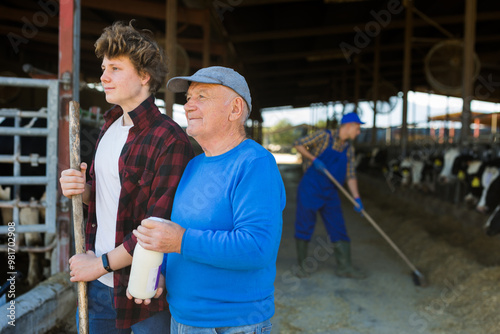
(317, 193)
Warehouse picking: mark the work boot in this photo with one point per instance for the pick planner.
(301, 257)
(342, 252)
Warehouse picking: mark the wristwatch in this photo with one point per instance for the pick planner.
(105, 263)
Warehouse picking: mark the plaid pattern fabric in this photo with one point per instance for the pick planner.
(150, 165)
(317, 143)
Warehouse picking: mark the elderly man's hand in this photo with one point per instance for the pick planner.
(165, 237)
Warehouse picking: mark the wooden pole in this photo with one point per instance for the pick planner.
(468, 83)
(376, 81)
(66, 17)
(357, 76)
(406, 74)
(74, 144)
(171, 50)
(206, 39)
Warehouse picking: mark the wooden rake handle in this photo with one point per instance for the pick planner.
(74, 144)
(375, 225)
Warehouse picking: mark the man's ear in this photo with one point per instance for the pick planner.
(237, 109)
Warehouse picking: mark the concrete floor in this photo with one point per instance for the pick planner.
(387, 302)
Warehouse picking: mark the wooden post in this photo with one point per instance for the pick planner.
(356, 82)
(74, 144)
(206, 39)
(65, 73)
(171, 50)
(376, 81)
(468, 84)
(406, 74)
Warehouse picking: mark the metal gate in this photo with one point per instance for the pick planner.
(49, 180)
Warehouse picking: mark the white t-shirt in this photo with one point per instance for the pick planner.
(108, 189)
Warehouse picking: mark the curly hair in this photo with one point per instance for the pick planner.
(144, 53)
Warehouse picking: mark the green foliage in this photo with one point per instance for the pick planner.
(321, 124)
(283, 133)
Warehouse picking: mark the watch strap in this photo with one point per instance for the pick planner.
(105, 263)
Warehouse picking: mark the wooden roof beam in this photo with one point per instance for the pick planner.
(143, 8)
(310, 54)
(349, 28)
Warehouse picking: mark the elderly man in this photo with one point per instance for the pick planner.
(223, 237)
(329, 150)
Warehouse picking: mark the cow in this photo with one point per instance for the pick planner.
(7, 213)
(473, 185)
(446, 175)
(392, 173)
(490, 181)
(31, 216)
(405, 171)
(418, 171)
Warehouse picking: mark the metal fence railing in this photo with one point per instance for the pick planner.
(50, 132)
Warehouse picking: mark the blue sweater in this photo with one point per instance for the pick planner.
(231, 206)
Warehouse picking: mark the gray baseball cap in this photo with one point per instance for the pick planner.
(214, 75)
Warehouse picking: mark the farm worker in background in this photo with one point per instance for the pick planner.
(331, 150)
(140, 157)
(224, 234)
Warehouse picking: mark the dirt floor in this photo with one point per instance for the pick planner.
(443, 240)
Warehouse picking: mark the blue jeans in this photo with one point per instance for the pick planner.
(102, 314)
(260, 328)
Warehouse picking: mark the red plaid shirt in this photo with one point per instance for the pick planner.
(150, 165)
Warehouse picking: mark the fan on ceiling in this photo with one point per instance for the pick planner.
(387, 97)
(444, 67)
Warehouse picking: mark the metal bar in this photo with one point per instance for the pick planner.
(25, 82)
(51, 113)
(21, 204)
(32, 249)
(20, 131)
(24, 180)
(52, 162)
(39, 228)
(21, 159)
(42, 113)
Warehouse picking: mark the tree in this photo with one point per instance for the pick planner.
(283, 134)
